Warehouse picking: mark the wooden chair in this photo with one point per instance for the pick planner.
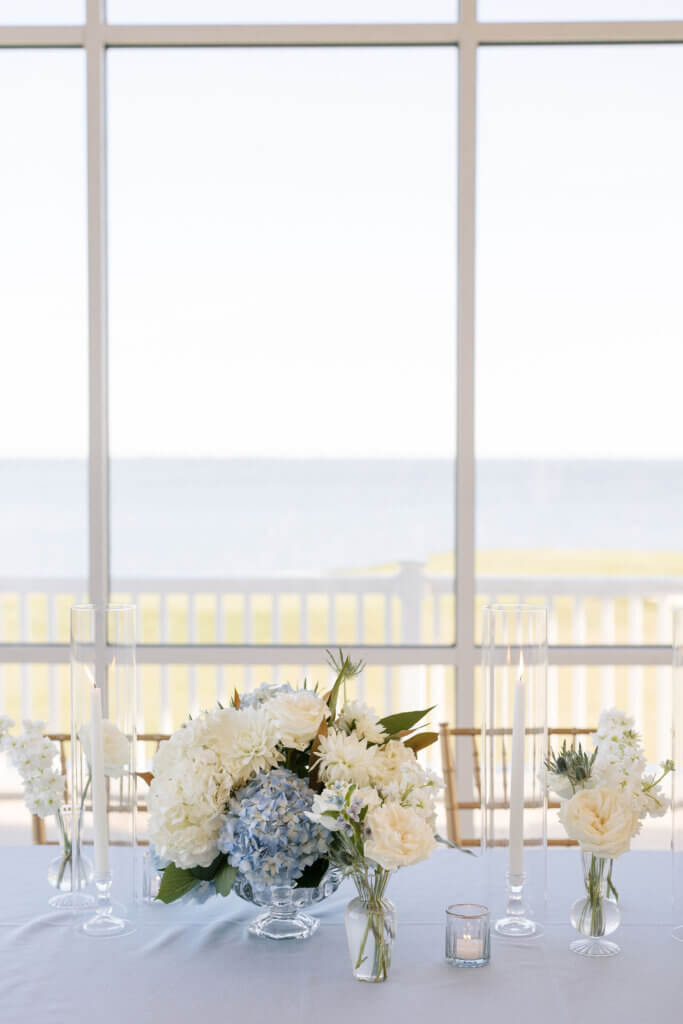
(453, 806)
(38, 832)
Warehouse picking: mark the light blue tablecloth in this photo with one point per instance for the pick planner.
(198, 964)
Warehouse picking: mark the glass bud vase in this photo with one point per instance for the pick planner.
(370, 921)
(67, 873)
(596, 915)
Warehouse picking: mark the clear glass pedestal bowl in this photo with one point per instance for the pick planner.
(285, 915)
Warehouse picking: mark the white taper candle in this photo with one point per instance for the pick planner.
(99, 791)
(516, 862)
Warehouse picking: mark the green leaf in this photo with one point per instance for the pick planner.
(206, 874)
(175, 882)
(403, 720)
(313, 875)
(225, 879)
(421, 740)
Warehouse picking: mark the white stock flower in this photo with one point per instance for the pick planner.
(297, 716)
(345, 759)
(602, 820)
(398, 837)
(360, 719)
(115, 747)
(45, 794)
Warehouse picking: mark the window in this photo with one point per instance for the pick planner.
(291, 245)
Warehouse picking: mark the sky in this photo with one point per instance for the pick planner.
(282, 252)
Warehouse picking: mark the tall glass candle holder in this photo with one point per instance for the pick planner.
(514, 748)
(103, 747)
(677, 775)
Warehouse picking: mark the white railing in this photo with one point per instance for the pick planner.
(408, 606)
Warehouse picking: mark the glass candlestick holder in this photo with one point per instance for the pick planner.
(514, 748)
(103, 751)
(468, 935)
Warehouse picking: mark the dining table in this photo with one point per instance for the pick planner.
(192, 963)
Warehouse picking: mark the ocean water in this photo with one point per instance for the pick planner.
(266, 516)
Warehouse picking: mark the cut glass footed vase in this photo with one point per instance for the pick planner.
(284, 916)
(596, 915)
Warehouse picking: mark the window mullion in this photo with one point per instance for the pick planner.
(98, 459)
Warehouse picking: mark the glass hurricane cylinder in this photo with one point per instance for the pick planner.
(596, 915)
(103, 742)
(370, 921)
(514, 748)
(677, 775)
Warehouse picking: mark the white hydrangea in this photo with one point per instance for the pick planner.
(343, 758)
(194, 773)
(360, 719)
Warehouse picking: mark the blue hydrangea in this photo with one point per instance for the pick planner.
(263, 693)
(267, 835)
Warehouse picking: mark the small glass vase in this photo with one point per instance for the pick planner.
(596, 915)
(66, 873)
(370, 921)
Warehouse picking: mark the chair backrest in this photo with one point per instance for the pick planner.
(38, 831)
(453, 806)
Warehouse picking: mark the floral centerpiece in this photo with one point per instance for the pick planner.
(241, 797)
(604, 798)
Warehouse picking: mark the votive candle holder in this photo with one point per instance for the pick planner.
(468, 935)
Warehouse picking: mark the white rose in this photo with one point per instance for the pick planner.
(559, 785)
(399, 836)
(115, 746)
(297, 716)
(602, 821)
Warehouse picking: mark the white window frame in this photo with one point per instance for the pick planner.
(468, 34)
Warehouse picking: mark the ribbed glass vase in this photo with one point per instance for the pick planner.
(371, 926)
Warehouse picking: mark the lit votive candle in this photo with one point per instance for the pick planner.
(467, 935)
(468, 948)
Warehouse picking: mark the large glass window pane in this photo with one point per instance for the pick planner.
(43, 313)
(42, 12)
(580, 355)
(279, 12)
(282, 339)
(579, 10)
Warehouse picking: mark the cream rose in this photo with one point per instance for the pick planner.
(297, 716)
(602, 820)
(115, 746)
(399, 836)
